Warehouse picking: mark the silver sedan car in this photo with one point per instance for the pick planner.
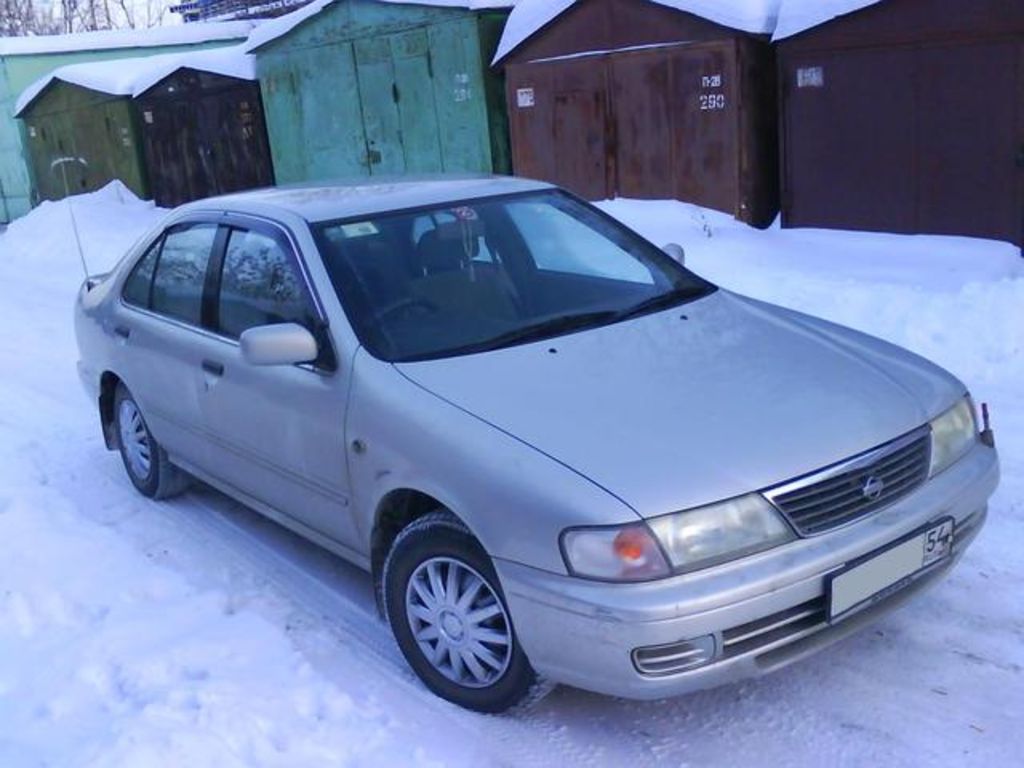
(561, 455)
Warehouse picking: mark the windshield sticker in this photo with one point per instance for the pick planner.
(360, 229)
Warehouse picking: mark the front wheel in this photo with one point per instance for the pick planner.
(449, 616)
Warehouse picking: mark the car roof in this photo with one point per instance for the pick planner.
(345, 199)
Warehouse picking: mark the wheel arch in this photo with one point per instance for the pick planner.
(109, 382)
(394, 512)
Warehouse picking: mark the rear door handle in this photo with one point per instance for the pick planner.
(123, 331)
(214, 368)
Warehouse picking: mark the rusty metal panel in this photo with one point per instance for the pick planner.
(582, 144)
(907, 116)
(850, 141)
(910, 139)
(643, 106)
(689, 108)
(559, 120)
(678, 121)
(706, 126)
(758, 138)
(968, 141)
(203, 135)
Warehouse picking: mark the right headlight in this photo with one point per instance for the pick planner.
(953, 434)
(705, 536)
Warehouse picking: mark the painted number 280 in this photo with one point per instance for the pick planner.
(712, 101)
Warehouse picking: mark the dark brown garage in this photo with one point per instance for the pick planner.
(203, 134)
(907, 116)
(631, 98)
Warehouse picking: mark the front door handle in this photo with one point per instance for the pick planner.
(123, 331)
(214, 368)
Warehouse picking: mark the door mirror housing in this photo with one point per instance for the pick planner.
(283, 344)
(675, 252)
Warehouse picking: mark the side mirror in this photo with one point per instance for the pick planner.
(284, 344)
(676, 252)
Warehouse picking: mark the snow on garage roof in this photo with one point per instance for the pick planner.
(780, 18)
(130, 77)
(282, 25)
(182, 34)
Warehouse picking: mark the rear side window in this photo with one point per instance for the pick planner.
(139, 282)
(260, 285)
(181, 272)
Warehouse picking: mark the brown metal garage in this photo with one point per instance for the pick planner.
(907, 116)
(635, 99)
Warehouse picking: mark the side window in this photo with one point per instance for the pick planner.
(560, 242)
(260, 285)
(181, 272)
(137, 286)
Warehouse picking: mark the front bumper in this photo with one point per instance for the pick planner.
(764, 611)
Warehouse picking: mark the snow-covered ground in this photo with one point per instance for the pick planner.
(194, 633)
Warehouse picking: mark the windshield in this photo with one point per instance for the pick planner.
(493, 272)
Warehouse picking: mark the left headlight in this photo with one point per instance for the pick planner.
(953, 434)
(705, 536)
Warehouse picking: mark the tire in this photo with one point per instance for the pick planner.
(482, 666)
(145, 460)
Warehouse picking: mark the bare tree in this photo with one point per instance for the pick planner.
(22, 17)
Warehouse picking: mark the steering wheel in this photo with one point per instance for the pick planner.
(405, 304)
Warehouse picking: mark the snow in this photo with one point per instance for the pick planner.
(131, 77)
(182, 34)
(781, 18)
(194, 632)
(282, 25)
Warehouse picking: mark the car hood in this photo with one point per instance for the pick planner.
(698, 403)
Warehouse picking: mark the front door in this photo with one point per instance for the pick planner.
(276, 432)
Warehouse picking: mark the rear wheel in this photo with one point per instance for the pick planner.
(145, 461)
(449, 616)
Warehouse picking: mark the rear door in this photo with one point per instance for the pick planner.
(276, 432)
(156, 327)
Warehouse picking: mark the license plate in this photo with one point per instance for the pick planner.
(881, 573)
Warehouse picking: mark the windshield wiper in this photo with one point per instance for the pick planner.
(553, 326)
(661, 301)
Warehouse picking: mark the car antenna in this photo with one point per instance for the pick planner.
(63, 161)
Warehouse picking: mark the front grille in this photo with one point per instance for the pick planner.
(837, 495)
(783, 626)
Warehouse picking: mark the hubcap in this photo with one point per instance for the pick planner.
(458, 622)
(134, 439)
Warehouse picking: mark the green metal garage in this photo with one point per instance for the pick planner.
(358, 88)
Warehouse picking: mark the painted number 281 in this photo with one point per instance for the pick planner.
(712, 101)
